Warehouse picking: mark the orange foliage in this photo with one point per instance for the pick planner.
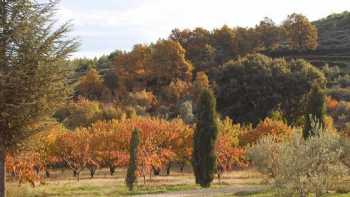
(143, 98)
(74, 149)
(110, 143)
(331, 103)
(276, 128)
(228, 156)
(106, 144)
(161, 141)
(25, 167)
(177, 90)
(91, 85)
(201, 82)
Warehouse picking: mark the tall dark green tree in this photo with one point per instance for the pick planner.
(251, 88)
(131, 173)
(32, 55)
(315, 112)
(204, 157)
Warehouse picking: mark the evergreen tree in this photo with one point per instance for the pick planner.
(32, 55)
(131, 173)
(315, 112)
(204, 157)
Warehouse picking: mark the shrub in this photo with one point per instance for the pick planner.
(345, 142)
(264, 156)
(310, 166)
(83, 112)
(301, 166)
(185, 112)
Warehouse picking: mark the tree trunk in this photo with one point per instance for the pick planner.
(182, 167)
(2, 174)
(47, 172)
(219, 177)
(92, 170)
(112, 170)
(78, 176)
(168, 169)
(156, 171)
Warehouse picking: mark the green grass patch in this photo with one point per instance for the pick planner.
(92, 189)
(271, 193)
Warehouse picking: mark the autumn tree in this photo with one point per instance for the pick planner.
(301, 33)
(31, 72)
(198, 46)
(315, 112)
(91, 85)
(25, 167)
(110, 141)
(142, 101)
(177, 90)
(277, 129)
(42, 145)
(75, 150)
(132, 168)
(229, 154)
(168, 63)
(204, 139)
(132, 69)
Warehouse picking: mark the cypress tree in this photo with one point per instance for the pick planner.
(204, 157)
(315, 112)
(131, 173)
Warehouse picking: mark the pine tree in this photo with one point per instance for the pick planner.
(131, 173)
(32, 55)
(315, 112)
(204, 157)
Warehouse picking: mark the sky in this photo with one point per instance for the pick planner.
(106, 25)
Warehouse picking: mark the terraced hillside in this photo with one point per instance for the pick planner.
(334, 31)
(332, 55)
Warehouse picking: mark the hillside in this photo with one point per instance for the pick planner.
(334, 31)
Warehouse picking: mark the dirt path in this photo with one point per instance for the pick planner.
(211, 192)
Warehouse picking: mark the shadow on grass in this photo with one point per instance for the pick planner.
(149, 189)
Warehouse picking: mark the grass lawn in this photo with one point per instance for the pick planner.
(91, 188)
(62, 184)
(273, 194)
